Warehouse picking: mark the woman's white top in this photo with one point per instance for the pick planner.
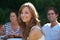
(38, 27)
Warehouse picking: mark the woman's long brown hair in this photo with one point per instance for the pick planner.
(34, 20)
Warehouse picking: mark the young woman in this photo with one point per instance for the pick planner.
(28, 20)
(12, 28)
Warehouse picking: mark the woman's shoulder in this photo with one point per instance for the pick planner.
(8, 23)
(37, 27)
(35, 32)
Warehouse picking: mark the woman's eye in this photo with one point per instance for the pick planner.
(52, 13)
(13, 16)
(21, 13)
(26, 12)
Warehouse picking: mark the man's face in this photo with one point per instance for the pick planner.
(51, 15)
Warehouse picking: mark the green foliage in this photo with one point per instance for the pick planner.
(41, 5)
(4, 15)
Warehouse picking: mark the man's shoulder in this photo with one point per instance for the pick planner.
(59, 24)
(45, 25)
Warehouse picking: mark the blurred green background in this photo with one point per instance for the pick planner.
(40, 5)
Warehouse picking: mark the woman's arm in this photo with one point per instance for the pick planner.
(35, 34)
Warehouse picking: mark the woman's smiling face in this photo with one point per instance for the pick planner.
(26, 14)
(13, 17)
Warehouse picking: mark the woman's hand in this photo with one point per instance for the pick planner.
(18, 35)
(10, 36)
